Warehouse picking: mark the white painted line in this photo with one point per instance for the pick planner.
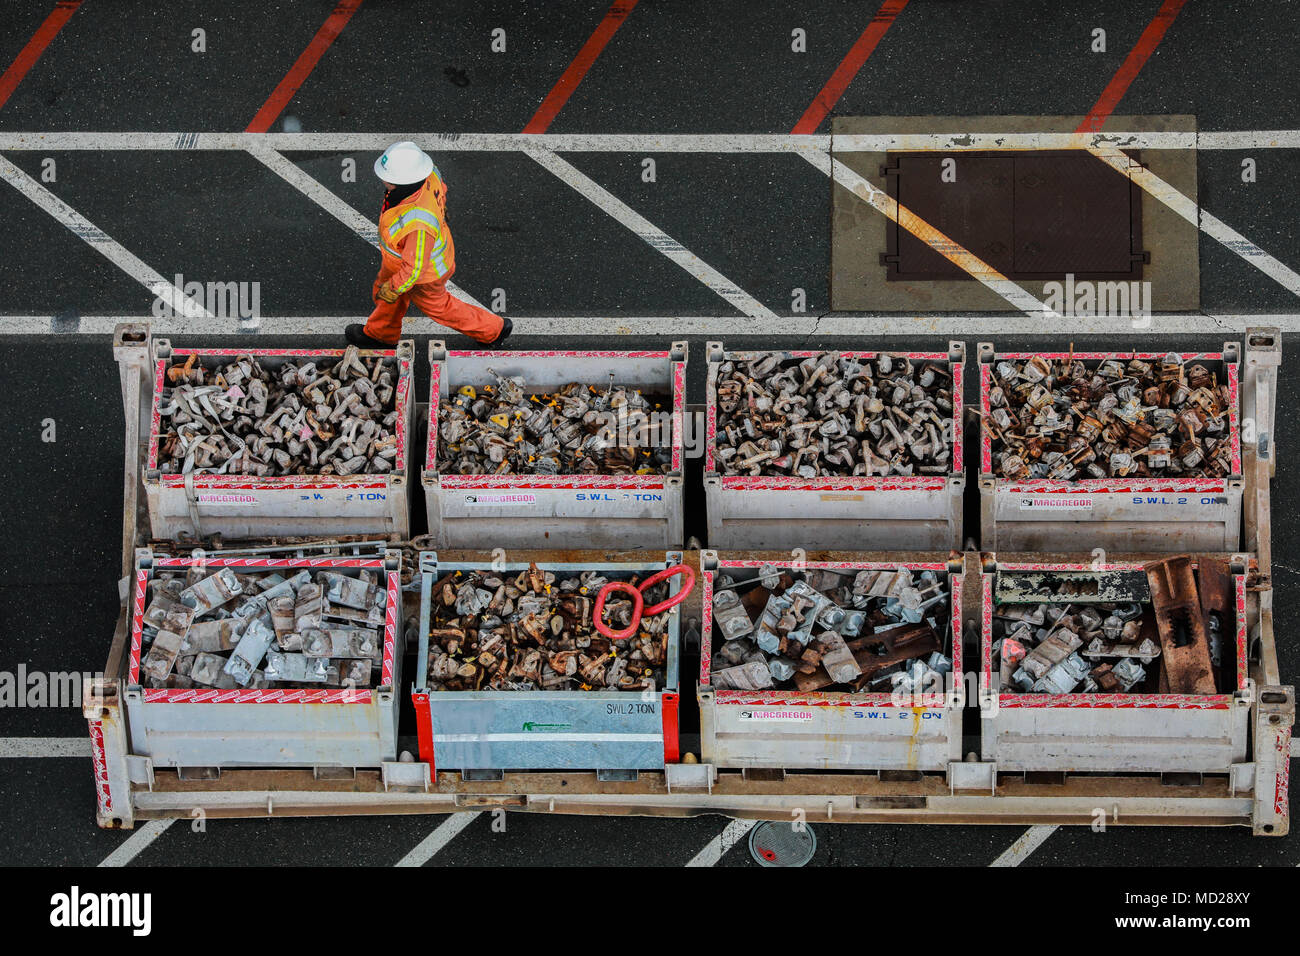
(1253, 139)
(44, 747)
(731, 834)
(442, 834)
(958, 141)
(652, 235)
(1211, 225)
(669, 326)
(995, 281)
(1029, 841)
(646, 142)
(320, 194)
(137, 842)
(100, 241)
(438, 142)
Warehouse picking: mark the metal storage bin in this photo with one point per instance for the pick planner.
(546, 730)
(895, 513)
(209, 728)
(248, 506)
(1115, 733)
(1118, 514)
(548, 511)
(820, 730)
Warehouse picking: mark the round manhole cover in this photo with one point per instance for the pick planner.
(780, 844)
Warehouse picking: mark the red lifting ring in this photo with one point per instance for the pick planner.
(638, 601)
(664, 575)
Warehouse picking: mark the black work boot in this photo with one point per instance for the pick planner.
(356, 335)
(506, 328)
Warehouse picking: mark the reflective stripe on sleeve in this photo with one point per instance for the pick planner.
(419, 262)
(413, 216)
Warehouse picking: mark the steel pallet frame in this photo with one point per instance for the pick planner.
(970, 792)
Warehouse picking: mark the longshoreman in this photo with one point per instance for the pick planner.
(418, 257)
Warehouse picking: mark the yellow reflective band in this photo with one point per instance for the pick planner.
(419, 262)
(411, 217)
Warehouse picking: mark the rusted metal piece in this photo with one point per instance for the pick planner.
(351, 643)
(1070, 587)
(508, 429)
(535, 630)
(730, 614)
(1146, 650)
(1180, 620)
(168, 614)
(1053, 667)
(837, 659)
(251, 649)
(879, 652)
(160, 660)
(1218, 604)
(209, 637)
(213, 591)
(296, 668)
(1069, 419)
(833, 414)
(1117, 678)
(755, 675)
(243, 419)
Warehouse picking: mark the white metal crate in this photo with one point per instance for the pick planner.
(822, 730)
(319, 727)
(895, 513)
(547, 730)
(1118, 514)
(550, 511)
(248, 506)
(1115, 733)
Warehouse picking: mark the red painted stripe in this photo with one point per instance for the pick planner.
(29, 54)
(672, 749)
(1131, 67)
(848, 68)
(299, 72)
(567, 83)
(424, 732)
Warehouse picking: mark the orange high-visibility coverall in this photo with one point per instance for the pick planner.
(418, 259)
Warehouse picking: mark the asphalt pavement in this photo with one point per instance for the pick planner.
(760, 219)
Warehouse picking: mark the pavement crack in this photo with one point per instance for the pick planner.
(816, 327)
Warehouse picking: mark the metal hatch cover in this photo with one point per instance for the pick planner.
(773, 844)
(1031, 215)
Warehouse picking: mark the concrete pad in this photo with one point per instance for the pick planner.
(859, 233)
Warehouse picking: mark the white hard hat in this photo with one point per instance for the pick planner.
(403, 163)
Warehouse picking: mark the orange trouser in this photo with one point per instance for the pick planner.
(385, 323)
